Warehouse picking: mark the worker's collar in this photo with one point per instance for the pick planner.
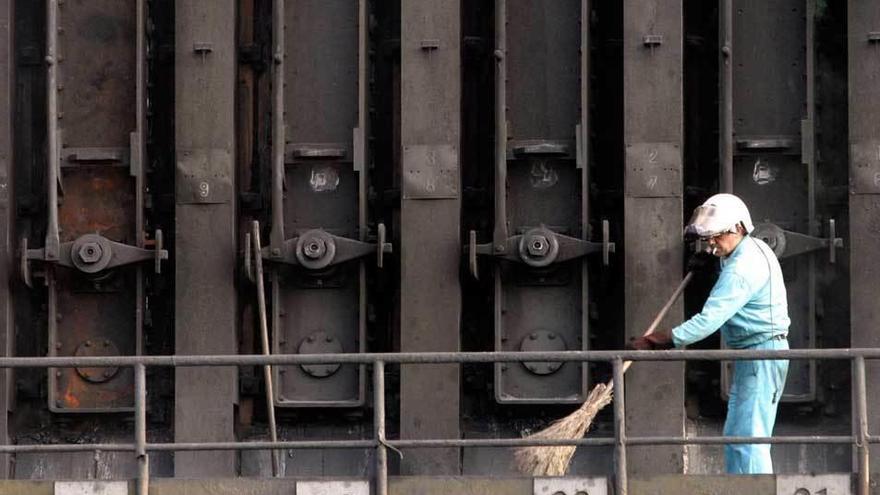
(737, 250)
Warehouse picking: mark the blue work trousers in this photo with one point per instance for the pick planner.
(751, 410)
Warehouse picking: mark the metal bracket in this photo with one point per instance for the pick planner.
(93, 253)
(545, 148)
(874, 37)
(652, 40)
(539, 247)
(317, 249)
(786, 243)
(765, 143)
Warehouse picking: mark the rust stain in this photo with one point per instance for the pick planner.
(97, 199)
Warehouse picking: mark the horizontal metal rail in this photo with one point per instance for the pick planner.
(422, 443)
(435, 358)
(860, 439)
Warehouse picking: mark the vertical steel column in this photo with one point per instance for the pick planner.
(500, 234)
(864, 201)
(861, 433)
(430, 227)
(379, 427)
(53, 145)
(205, 300)
(620, 469)
(276, 236)
(7, 215)
(140, 429)
(725, 29)
(653, 133)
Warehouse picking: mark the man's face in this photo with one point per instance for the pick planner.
(723, 244)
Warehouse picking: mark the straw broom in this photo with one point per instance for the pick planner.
(554, 460)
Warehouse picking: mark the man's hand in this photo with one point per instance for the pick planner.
(661, 339)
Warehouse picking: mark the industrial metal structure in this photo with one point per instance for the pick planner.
(366, 246)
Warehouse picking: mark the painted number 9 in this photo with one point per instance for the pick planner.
(204, 189)
(804, 491)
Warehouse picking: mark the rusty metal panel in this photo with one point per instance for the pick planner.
(769, 61)
(321, 73)
(319, 301)
(98, 75)
(864, 204)
(543, 69)
(430, 297)
(95, 199)
(95, 315)
(773, 165)
(541, 198)
(205, 237)
(7, 216)
(653, 74)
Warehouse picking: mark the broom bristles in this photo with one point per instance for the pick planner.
(554, 460)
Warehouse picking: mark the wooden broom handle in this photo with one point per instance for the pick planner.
(662, 314)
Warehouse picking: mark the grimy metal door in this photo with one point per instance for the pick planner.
(773, 159)
(542, 223)
(95, 234)
(319, 216)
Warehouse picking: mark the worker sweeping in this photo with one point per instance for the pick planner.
(748, 303)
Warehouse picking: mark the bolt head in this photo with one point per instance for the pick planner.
(315, 248)
(90, 252)
(538, 245)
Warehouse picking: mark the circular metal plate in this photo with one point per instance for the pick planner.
(315, 249)
(538, 247)
(320, 343)
(542, 341)
(772, 235)
(91, 253)
(93, 348)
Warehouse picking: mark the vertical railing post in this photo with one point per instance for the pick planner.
(620, 481)
(379, 427)
(53, 58)
(861, 436)
(140, 429)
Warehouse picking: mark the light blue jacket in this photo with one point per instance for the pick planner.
(748, 302)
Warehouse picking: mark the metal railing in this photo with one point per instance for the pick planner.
(860, 440)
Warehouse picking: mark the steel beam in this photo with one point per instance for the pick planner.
(429, 226)
(864, 201)
(653, 116)
(7, 216)
(205, 297)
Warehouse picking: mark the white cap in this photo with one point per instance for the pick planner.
(720, 213)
